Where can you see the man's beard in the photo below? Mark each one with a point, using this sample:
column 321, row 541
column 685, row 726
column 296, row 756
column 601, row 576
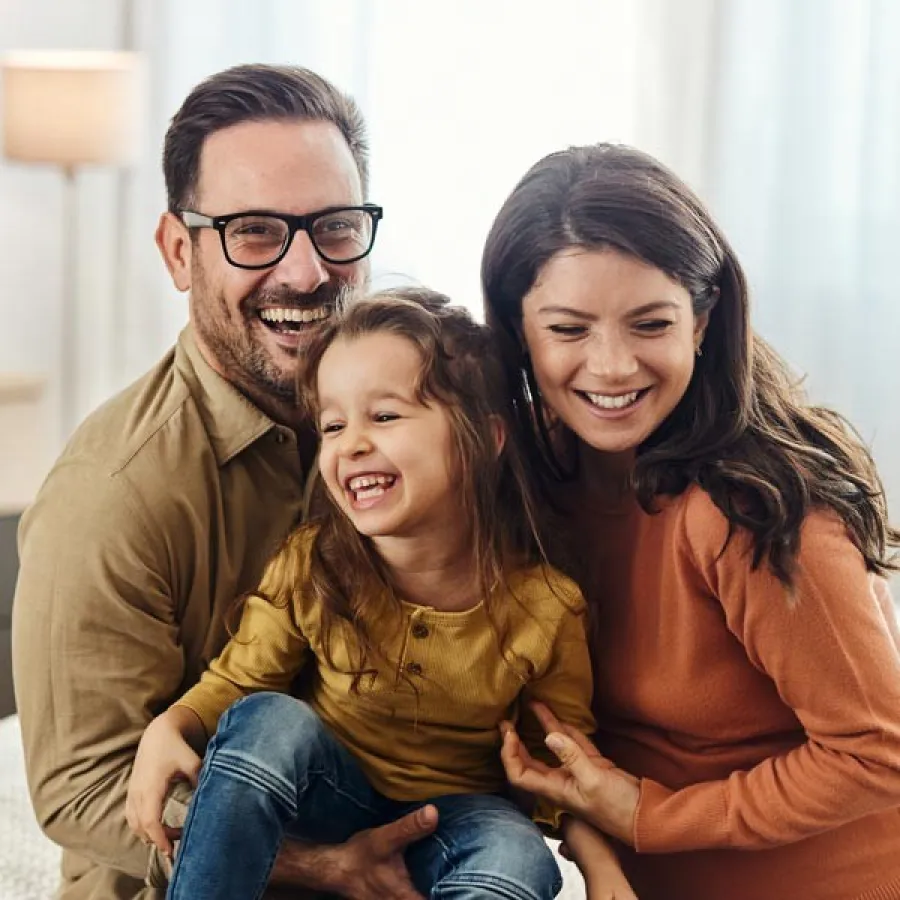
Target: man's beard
column 242, row 359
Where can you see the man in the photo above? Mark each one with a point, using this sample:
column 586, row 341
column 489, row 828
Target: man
column 170, row 497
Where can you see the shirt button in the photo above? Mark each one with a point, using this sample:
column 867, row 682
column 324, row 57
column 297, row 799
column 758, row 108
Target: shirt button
column 413, row 669
column 420, row 630
column 280, row 437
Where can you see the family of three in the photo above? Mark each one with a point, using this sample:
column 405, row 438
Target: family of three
column 397, row 593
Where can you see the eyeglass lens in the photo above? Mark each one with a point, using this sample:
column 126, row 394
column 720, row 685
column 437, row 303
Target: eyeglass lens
column 258, row 240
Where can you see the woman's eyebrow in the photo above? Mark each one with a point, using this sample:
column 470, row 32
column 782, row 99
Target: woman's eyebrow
column 556, row 309
column 655, row 306
column 642, row 310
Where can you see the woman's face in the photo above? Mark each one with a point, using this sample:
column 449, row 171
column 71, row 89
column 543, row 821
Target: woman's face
column 613, row 342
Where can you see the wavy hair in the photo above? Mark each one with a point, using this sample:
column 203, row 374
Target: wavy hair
column 743, row 431
column 462, row 373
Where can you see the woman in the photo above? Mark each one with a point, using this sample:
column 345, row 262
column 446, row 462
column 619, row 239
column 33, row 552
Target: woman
column 728, row 537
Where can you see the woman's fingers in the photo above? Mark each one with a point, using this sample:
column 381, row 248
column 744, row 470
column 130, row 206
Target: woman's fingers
column 588, row 747
column 582, row 767
column 545, row 716
column 512, row 750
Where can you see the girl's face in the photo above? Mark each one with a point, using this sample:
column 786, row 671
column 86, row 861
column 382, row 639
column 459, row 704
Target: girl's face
column 386, row 459
column 612, row 341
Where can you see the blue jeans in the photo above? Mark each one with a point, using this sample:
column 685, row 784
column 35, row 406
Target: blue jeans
column 273, row 770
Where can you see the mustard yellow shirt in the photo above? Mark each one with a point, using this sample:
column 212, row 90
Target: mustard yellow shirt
column 426, row 724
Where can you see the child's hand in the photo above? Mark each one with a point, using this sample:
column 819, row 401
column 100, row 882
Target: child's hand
column 586, row 784
column 163, row 756
column 592, row 853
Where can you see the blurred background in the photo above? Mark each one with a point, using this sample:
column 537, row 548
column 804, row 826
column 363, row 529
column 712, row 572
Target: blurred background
column 783, row 114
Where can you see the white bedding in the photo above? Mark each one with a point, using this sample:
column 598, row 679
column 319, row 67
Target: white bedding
column 29, row 863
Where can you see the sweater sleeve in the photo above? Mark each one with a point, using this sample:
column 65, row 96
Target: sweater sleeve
column 268, row 650
column 830, row 647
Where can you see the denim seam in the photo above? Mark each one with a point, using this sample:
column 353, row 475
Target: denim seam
column 499, row 886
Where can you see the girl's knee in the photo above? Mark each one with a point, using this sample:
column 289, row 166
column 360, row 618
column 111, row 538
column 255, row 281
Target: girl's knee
column 500, row 853
column 269, row 718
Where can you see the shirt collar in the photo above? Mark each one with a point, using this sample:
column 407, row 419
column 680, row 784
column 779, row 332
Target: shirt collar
column 232, row 422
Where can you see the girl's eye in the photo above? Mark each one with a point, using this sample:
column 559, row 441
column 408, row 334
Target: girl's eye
column 568, row 330
column 653, row 326
column 330, row 427
column 385, row 417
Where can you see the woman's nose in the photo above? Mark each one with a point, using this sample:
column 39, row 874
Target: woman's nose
column 611, row 357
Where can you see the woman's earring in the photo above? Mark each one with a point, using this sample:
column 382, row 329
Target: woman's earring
column 699, row 350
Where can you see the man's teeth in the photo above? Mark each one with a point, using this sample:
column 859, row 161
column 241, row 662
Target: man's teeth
column 604, row 401
column 292, row 314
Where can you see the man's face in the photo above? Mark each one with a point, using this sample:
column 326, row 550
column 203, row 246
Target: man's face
column 244, row 320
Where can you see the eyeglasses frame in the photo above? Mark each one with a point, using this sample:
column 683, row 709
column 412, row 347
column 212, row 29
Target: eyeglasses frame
column 192, row 219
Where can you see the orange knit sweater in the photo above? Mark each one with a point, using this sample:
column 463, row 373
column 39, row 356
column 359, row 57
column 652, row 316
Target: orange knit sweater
column 765, row 726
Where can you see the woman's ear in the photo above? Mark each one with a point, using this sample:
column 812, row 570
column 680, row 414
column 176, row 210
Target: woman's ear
column 174, row 243
column 700, row 323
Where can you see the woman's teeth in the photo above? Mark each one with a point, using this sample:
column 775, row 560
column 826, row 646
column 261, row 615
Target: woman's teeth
column 606, row 401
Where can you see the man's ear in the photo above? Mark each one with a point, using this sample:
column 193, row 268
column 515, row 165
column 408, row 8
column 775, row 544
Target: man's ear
column 498, row 432
column 174, row 242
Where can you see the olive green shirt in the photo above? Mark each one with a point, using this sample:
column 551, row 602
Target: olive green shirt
column 164, row 507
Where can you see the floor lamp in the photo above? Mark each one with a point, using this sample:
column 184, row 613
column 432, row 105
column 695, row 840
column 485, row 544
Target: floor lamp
column 71, row 108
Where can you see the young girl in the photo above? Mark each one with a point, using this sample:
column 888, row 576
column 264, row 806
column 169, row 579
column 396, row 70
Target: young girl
column 730, row 539
column 417, row 610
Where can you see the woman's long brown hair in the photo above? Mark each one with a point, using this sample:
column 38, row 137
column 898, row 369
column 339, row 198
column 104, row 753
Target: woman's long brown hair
column 744, row 431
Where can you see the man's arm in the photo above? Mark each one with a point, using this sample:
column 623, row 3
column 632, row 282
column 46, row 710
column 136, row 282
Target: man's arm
column 95, row 656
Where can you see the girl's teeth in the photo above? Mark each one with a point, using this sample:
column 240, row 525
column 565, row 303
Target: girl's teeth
column 618, row 402
column 360, row 482
column 369, row 493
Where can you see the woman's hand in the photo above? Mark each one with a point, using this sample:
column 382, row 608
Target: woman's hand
column 592, row 853
column 586, row 784
column 164, row 755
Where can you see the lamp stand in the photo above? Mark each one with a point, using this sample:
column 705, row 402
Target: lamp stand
column 69, row 318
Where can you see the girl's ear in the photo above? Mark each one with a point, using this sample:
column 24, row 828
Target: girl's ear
column 498, row 432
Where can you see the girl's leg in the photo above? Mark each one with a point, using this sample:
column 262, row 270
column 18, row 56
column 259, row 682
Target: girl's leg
column 272, row 767
column 483, row 847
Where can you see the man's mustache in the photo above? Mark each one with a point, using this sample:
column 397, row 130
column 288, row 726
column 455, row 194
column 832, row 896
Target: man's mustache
column 335, row 294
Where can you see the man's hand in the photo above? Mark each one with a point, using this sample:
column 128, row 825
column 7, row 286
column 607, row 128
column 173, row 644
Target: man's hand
column 587, row 784
column 369, row 866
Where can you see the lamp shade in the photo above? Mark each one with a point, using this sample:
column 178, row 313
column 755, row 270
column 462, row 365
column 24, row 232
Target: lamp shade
column 72, row 107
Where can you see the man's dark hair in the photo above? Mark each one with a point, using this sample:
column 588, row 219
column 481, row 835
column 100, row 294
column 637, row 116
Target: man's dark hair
column 254, row 93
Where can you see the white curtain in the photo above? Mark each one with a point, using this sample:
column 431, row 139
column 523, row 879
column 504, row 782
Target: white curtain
column 460, row 97
column 804, row 173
